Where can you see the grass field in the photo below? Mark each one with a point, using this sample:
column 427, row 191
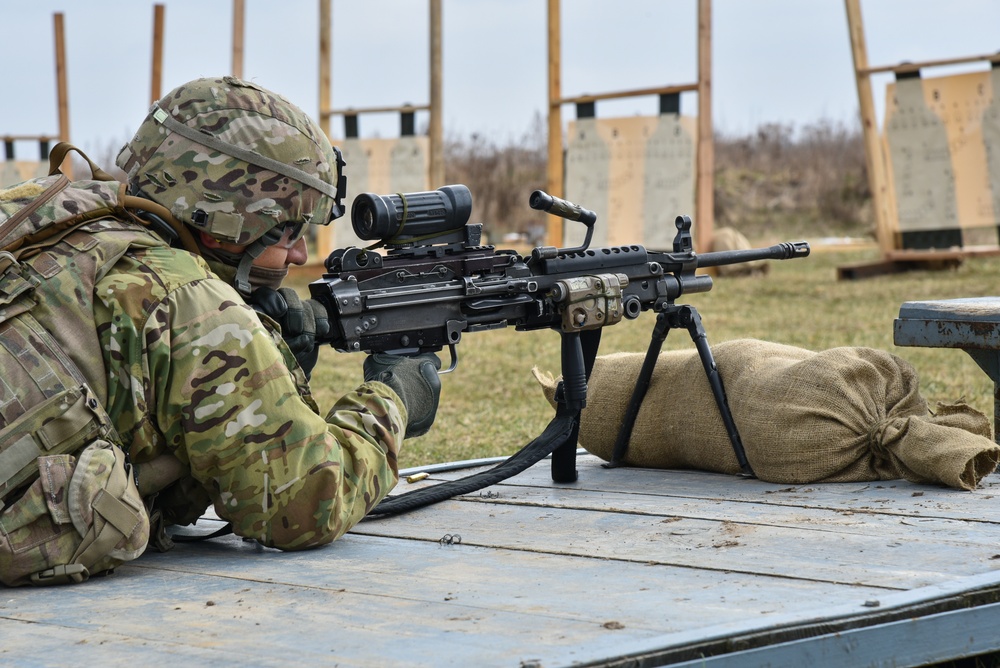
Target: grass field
column 491, row 405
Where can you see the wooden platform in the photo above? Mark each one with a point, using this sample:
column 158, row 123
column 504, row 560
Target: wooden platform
column 626, row 567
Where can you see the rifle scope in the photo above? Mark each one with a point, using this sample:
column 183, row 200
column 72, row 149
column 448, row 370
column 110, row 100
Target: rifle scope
column 397, row 218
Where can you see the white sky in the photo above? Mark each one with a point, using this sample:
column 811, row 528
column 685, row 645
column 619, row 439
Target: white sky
column 785, row 61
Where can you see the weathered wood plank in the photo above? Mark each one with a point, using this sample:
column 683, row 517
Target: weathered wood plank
column 376, row 601
column 895, row 556
column 622, row 562
column 860, row 521
column 897, row 497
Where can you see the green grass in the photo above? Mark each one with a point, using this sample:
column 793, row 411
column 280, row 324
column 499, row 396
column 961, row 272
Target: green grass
column 491, row 405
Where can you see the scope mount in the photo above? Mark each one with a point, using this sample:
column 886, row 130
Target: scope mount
column 434, row 245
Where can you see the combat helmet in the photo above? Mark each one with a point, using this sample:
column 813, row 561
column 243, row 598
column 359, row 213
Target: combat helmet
column 236, row 161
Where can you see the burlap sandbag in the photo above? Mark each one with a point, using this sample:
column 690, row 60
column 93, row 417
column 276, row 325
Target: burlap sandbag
column 845, row 414
column 727, row 239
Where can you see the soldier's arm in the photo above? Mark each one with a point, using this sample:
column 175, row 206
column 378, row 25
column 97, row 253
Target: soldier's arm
column 229, row 407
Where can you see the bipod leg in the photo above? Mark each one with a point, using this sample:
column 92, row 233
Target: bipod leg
column 688, row 317
column 660, row 331
column 579, row 350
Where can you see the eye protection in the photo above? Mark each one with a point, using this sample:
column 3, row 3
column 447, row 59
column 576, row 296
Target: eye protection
column 291, row 233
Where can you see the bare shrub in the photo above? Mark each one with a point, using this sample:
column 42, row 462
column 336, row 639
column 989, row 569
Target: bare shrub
column 777, row 181
column 501, row 177
column 812, row 181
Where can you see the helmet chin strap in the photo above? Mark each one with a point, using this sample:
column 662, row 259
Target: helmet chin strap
column 245, row 268
column 239, row 270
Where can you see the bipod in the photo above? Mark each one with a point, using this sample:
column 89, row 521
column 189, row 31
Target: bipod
column 673, row 317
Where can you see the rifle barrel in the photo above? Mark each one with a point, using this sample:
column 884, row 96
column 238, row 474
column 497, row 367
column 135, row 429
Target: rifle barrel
column 782, row 251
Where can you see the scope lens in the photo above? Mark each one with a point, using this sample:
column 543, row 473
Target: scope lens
column 372, row 218
column 365, row 222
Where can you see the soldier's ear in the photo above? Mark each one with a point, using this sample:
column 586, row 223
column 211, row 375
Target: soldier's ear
column 211, row 243
column 208, row 241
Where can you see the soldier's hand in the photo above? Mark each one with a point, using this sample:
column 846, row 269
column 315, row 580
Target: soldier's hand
column 303, row 322
column 415, row 380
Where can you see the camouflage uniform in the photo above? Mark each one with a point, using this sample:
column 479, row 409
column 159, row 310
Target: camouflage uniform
column 192, row 371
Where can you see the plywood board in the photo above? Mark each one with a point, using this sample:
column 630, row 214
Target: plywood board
column 379, row 166
column 637, row 174
column 941, row 142
column 16, row 171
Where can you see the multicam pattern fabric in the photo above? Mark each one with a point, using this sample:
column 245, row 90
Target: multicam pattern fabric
column 82, row 516
column 185, row 367
column 48, row 289
column 240, row 201
column 193, row 371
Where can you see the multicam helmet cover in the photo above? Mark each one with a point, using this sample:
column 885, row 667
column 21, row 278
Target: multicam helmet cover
column 235, row 160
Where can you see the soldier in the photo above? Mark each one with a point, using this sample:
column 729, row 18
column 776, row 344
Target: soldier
column 206, row 359
column 248, row 171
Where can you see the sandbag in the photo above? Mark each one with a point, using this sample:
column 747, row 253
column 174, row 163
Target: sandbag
column 842, row 415
column 728, row 239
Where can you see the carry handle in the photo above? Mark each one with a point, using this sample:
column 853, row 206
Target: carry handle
column 59, row 153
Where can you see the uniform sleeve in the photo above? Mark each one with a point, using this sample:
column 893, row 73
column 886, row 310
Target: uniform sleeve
column 229, row 407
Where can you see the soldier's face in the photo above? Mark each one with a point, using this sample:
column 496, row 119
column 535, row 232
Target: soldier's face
column 280, row 255
column 276, row 256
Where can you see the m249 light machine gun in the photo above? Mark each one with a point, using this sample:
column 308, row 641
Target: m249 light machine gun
column 437, row 281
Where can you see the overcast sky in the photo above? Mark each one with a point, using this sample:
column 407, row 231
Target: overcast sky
column 785, row 61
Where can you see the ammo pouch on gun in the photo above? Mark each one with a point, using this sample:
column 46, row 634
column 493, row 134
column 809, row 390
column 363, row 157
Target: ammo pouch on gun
column 62, row 517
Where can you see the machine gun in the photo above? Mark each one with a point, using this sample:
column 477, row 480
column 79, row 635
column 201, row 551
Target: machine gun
column 437, row 281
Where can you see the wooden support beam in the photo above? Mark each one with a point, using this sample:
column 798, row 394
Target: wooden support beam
column 908, row 67
column 238, row 29
column 62, row 87
column 435, row 130
column 874, row 158
column 705, row 158
column 554, row 182
column 638, row 92
column 325, row 23
column 7, row 138
column 156, row 80
column 405, row 108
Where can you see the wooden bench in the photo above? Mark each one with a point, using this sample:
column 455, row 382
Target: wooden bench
column 972, row 324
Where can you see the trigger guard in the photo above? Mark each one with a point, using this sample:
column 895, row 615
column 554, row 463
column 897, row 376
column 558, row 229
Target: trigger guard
column 453, row 352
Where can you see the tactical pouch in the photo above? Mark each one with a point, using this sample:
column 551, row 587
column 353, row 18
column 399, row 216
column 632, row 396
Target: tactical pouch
column 62, row 517
column 46, row 406
column 79, row 517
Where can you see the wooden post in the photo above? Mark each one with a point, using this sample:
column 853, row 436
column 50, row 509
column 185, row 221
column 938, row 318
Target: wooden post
column 873, row 147
column 238, row 23
column 62, row 89
column 435, row 131
column 705, row 180
column 325, row 235
column 155, row 90
column 554, row 183
column 325, row 21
